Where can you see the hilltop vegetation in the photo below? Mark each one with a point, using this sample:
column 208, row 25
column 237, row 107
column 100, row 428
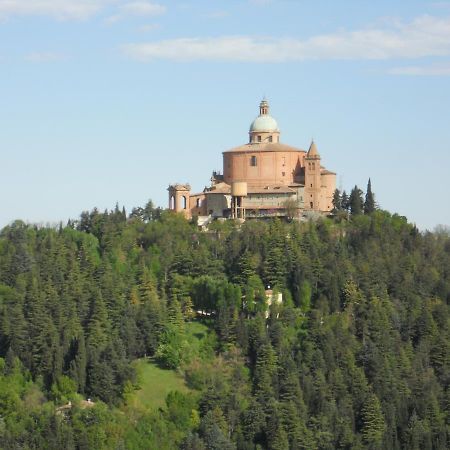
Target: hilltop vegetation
column 356, row 357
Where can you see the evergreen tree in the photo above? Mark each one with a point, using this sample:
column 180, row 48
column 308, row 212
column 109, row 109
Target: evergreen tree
column 373, row 422
column 369, row 203
column 356, row 201
column 345, row 201
column 337, row 201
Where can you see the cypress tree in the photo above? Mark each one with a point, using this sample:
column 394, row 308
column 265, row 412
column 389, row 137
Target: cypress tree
column 369, row 204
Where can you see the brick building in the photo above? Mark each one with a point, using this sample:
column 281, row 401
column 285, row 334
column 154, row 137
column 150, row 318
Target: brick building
column 263, row 178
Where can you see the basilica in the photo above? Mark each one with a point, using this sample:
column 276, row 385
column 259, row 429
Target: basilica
column 263, row 178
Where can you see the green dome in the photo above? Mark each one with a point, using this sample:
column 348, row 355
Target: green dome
column 264, row 123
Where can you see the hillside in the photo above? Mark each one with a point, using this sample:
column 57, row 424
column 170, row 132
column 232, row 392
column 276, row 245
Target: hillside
column 357, row 355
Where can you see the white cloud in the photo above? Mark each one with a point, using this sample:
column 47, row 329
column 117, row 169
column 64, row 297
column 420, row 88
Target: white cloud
column 59, row 9
column 429, row 70
column 77, row 9
column 424, row 36
column 143, row 8
column 44, row 57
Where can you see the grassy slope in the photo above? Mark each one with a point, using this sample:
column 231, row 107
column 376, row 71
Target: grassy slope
column 155, row 382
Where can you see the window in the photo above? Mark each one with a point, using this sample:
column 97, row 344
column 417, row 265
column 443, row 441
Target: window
column 270, row 138
column 184, row 202
column 283, row 174
column 311, row 204
column 199, row 202
column 259, row 138
column 311, row 185
column 253, row 161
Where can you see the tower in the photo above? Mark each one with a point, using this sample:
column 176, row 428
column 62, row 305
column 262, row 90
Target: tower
column 313, row 182
column 179, row 195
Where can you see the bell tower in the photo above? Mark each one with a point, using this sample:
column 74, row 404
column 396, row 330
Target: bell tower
column 312, row 179
column 179, row 196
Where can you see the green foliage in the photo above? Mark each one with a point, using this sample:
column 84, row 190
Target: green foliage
column 369, row 203
column 373, row 423
column 356, row 201
column 356, row 356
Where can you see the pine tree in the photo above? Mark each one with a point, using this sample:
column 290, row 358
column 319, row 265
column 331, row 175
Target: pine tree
column 373, row 422
column 369, row 204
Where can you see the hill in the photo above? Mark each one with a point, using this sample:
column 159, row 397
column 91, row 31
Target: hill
column 356, row 356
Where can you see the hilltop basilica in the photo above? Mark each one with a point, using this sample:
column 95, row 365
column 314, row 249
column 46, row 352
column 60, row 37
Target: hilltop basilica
column 263, row 178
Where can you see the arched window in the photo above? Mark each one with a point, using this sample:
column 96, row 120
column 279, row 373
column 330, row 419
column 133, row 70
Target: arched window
column 172, row 202
column 184, row 202
column 253, row 161
column 199, row 202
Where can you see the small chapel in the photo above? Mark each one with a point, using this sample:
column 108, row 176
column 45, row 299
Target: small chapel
column 263, row 178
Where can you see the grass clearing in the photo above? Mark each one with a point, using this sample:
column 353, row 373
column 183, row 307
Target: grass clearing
column 155, row 384
column 195, row 333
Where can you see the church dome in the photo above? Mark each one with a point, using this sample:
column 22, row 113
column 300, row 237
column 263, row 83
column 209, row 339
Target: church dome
column 264, row 123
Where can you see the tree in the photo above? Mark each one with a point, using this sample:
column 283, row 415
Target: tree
column 337, row 201
column 305, row 296
column 356, row 201
column 345, row 203
column 373, row 422
column 369, row 204
column 291, row 207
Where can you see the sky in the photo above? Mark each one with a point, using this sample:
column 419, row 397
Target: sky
column 107, row 101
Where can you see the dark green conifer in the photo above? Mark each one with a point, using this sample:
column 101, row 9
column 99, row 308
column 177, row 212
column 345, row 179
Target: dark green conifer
column 369, row 203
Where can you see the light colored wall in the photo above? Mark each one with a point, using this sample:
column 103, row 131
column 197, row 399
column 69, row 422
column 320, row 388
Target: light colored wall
column 264, row 137
column 267, row 200
column 216, row 203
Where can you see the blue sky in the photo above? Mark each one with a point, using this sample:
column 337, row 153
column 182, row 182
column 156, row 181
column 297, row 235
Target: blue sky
column 107, row 101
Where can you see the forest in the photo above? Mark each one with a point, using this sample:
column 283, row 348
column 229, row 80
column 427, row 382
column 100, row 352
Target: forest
column 356, row 356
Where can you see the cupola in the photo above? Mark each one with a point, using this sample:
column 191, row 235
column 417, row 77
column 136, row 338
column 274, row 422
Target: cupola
column 264, row 129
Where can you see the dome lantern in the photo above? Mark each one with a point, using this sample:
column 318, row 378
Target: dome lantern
column 264, row 107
